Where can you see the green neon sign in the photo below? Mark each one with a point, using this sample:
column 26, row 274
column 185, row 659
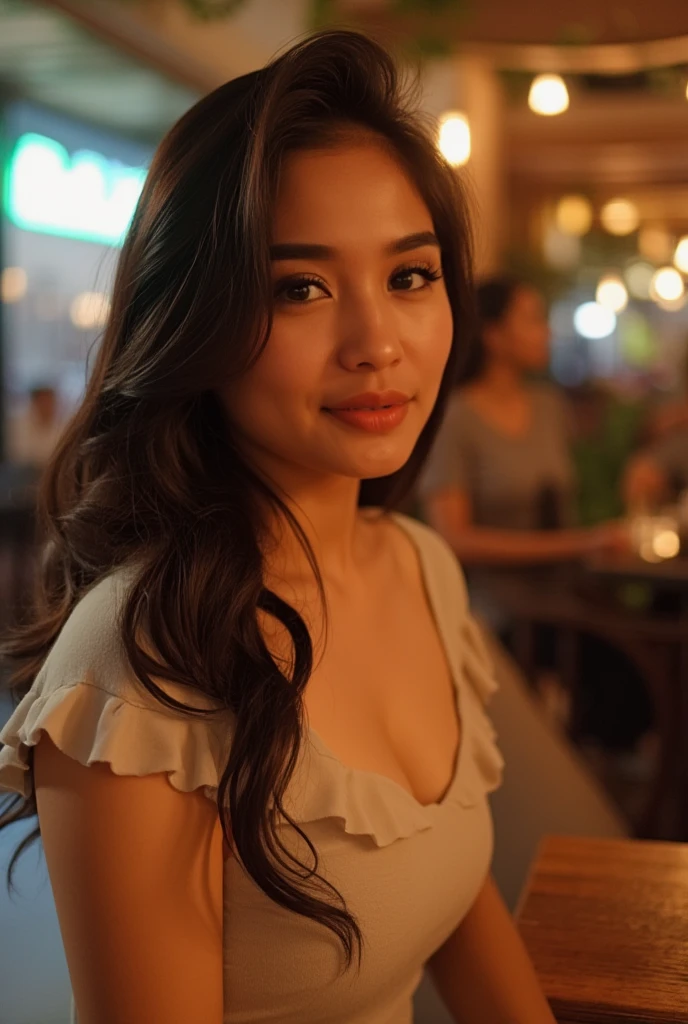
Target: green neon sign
column 80, row 195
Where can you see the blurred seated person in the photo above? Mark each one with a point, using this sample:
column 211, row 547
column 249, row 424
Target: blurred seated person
column 499, row 482
column 499, row 485
column 659, row 472
column 33, row 433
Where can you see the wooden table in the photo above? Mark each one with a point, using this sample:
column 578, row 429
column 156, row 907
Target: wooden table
column 606, row 924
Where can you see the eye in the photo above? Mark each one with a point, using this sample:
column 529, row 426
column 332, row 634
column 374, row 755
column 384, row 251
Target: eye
column 414, row 278
column 300, row 290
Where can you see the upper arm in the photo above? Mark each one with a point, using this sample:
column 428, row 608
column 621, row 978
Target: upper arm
column 136, row 871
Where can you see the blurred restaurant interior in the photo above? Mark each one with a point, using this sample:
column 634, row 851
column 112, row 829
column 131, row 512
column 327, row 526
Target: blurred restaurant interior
column 569, row 122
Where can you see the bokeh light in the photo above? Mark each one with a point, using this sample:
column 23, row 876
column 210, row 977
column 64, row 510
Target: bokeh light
column 573, row 215
column 548, row 95
column 14, row 283
column 620, row 216
column 667, row 285
column 454, row 139
column 90, row 310
column 594, row 321
column 611, row 293
column 681, row 254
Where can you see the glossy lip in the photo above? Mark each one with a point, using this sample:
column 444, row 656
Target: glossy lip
column 370, row 400
column 372, row 421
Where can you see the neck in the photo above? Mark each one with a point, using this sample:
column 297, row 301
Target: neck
column 501, row 379
column 327, row 511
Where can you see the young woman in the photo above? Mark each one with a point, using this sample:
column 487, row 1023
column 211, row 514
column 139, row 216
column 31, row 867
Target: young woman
column 255, row 732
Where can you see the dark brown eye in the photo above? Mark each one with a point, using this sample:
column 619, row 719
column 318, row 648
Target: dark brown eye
column 299, row 290
column 413, row 279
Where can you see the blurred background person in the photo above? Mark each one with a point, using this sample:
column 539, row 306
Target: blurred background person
column 500, row 486
column 499, row 483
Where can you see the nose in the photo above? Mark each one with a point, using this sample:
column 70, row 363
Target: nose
column 369, row 333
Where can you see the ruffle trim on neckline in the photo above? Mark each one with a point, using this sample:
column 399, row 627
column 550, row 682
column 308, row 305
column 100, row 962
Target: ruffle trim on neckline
column 365, row 803
column 90, row 724
column 369, row 804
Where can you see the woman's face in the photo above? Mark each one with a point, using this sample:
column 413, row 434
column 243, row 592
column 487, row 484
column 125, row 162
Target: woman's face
column 522, row 336
column 359, row 307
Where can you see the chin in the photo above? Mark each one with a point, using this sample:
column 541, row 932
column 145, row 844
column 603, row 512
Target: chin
column 383, row 467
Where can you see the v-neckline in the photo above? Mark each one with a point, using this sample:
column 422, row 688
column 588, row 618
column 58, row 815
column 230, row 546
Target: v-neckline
column 403, row 523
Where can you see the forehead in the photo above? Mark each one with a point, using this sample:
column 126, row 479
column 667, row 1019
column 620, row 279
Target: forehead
column 354, row 191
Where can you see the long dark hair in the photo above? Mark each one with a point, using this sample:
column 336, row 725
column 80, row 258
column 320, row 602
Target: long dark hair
column 493, row 299
column 146, row 474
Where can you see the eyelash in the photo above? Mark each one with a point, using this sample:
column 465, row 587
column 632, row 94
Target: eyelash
column 425, row 270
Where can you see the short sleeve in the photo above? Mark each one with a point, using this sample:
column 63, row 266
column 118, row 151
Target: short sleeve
column 87, row 699
column 449, row 463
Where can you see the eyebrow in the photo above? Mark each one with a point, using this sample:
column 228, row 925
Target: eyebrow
column 308, row 251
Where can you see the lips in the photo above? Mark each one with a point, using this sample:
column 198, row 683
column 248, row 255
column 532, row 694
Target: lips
column 371, row 401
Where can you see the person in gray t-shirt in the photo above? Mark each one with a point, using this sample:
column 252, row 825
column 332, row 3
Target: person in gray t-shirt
column 499, row 481
column 499, row 485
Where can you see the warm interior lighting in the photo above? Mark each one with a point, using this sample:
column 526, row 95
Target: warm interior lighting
column 594, row 321
column 454, row 139
column 666, row 544
column 620, row 216
column 90, row 310
column 13, row 284
column 573, row 215
column 667, row 285
column 548, row 95
column 681, row 255
column 611, row 293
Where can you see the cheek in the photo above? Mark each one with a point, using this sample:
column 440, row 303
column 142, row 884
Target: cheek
column 438, row 331
column 289, row 365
